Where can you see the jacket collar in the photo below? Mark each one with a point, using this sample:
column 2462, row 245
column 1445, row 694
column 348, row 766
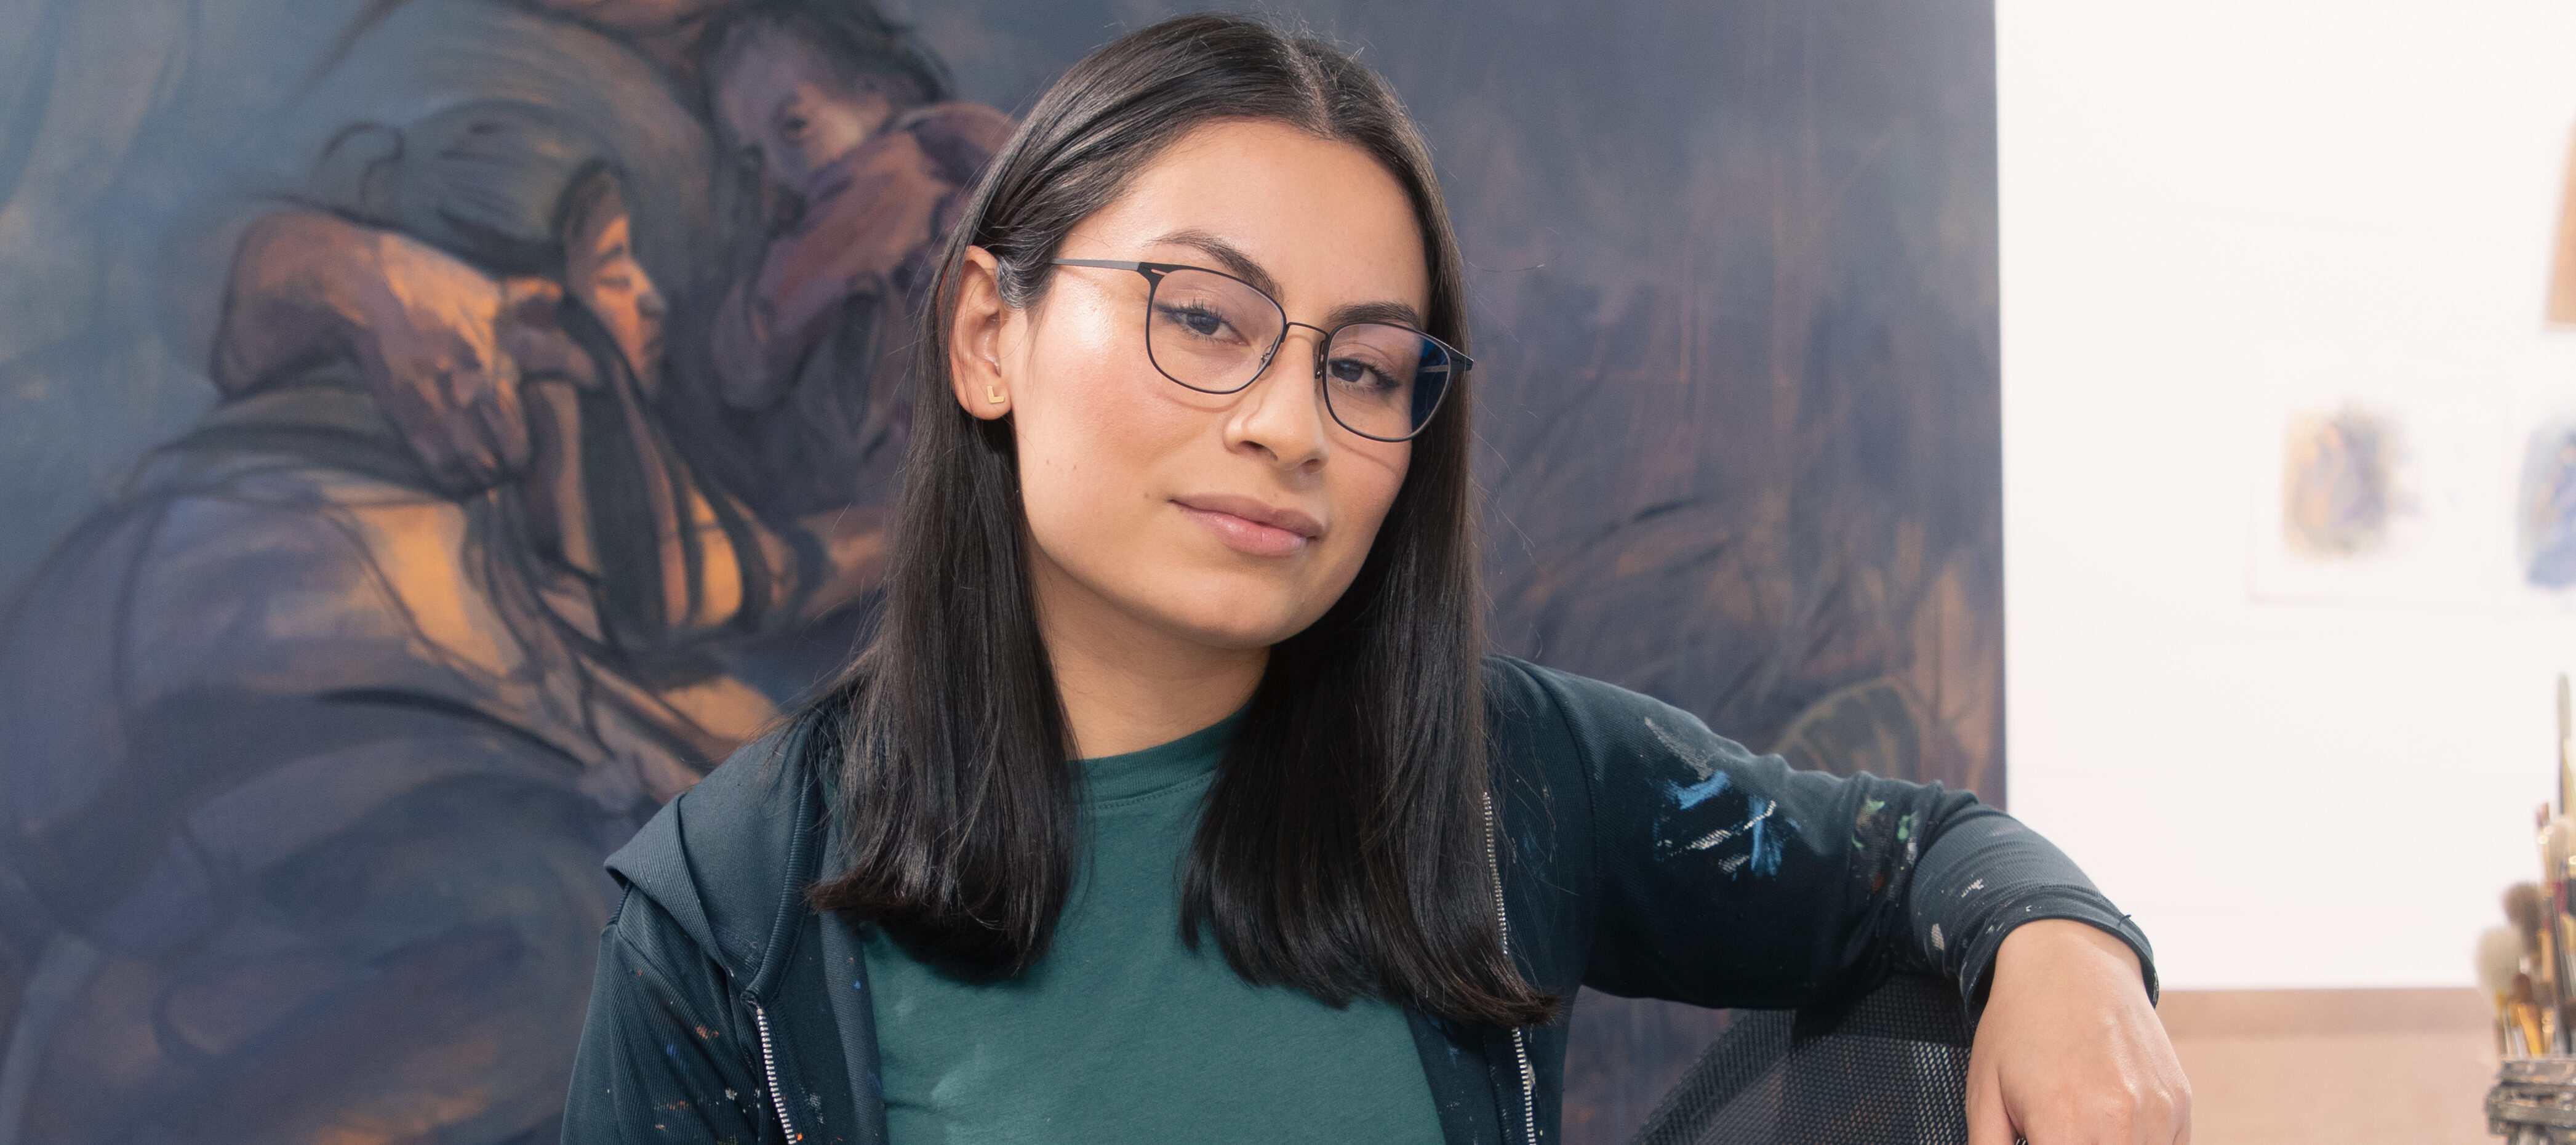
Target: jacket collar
column 712, row 858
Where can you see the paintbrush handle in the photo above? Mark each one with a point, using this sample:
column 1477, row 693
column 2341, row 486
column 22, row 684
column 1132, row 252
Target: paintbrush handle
column 2566, row 749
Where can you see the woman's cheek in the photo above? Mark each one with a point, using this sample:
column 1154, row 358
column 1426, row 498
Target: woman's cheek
column 1082, row 482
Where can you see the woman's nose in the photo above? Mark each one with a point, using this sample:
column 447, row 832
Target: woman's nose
column 1282, row 414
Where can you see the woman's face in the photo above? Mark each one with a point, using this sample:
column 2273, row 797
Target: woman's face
column 602, row 274
column 782, row 97
column 1228, row 520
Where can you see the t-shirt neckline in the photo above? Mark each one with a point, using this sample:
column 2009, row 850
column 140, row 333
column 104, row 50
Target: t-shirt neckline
column 1129, row 775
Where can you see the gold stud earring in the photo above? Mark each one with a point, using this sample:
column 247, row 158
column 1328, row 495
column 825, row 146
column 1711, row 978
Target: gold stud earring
column 994, row 396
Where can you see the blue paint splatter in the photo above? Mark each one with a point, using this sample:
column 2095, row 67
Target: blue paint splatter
column 670, row 1050
column 1768, row 843
column 1695, row 794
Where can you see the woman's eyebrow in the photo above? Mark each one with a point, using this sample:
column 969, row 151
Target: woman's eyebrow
column 1236, row 262
column 1399, row 313
column 1241, row 266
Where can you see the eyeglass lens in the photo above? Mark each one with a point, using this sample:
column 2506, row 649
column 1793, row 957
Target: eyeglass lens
column 1213, row 333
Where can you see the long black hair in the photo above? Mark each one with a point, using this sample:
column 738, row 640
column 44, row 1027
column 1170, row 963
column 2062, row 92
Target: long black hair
column 1343, row 848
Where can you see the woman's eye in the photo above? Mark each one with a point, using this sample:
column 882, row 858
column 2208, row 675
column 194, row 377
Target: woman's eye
column 1196, row 320
column 1353, row 374
column 792, row 128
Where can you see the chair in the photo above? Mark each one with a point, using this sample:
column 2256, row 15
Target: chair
column 1889, row 1067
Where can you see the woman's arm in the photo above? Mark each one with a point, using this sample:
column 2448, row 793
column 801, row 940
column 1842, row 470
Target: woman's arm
column 1982, row 876
column 2070, row 1049
column 1729, row 879
column 1723, row 878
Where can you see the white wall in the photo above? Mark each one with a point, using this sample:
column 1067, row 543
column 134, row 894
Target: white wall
column 2205, row 203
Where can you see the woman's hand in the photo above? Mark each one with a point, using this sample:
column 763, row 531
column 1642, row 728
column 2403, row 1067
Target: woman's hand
column 2069, row 1051
column 864, row 214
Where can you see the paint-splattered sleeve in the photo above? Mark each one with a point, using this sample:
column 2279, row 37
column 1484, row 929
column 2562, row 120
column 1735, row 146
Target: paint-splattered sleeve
column 665, row 1057
column 1723, row 878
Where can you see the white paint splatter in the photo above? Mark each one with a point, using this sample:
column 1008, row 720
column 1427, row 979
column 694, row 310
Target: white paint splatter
column 1937, row 944
column 1727, row 865
column 1723, row 834
column 1973, row 888
column 1701, row 760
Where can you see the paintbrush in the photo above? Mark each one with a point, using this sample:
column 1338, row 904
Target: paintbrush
column 2558, row 859
column 2522, row 908
column 2529, row 909
column 2558, row 933
column 2566, row 749
column 2526, row 1013
column 2499, row 959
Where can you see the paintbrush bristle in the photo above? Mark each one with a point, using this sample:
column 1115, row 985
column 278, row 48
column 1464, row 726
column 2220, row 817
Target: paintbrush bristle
column 2499, row 959
column 2522, row 908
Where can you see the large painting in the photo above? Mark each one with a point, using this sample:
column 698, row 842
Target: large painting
column 433, row 432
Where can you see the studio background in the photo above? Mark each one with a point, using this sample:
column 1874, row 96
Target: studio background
column 1735, row 312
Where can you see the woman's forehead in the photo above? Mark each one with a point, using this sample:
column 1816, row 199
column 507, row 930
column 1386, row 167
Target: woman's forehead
column 1322, row 219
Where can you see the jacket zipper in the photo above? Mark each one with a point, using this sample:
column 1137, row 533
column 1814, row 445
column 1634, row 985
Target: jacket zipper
column 1520, row 1045
column 769, row 1066
column 771, row 960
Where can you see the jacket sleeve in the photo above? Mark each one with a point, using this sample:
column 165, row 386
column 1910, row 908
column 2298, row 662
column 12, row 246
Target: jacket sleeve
column 1723, row 878
column 665, row 1057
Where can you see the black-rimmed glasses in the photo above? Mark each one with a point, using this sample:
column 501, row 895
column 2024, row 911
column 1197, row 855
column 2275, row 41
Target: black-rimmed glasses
column 1216, row 334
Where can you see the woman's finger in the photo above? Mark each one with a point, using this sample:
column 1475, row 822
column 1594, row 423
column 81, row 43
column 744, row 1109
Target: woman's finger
column 1989, row 1122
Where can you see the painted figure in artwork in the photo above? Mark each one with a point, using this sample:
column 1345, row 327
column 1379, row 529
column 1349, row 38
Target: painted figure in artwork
column 2336, row 484
column 327, row 723
column 317, row 834
column 863, row 163
column 866, row 163
column 2549, row 510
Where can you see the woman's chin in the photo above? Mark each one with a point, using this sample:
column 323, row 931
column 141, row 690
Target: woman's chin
column 1234, row 621
column 1234, row 634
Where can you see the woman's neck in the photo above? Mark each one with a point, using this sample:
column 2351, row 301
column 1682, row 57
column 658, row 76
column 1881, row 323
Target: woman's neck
column 1127, row 686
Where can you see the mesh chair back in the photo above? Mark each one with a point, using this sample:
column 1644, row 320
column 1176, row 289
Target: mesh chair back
column 1889, row 1067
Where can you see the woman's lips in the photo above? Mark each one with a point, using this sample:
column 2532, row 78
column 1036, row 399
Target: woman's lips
column 1252, row 528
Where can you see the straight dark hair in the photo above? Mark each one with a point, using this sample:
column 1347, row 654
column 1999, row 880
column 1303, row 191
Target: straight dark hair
column 1344, row 847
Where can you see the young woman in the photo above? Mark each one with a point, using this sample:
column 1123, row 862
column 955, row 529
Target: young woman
column 1175, row 799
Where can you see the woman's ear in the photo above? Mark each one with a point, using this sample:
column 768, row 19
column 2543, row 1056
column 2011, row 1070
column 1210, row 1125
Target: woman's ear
column 975, row 338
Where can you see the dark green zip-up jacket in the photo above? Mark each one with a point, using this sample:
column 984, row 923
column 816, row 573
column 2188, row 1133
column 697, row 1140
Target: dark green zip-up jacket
column 1639, row 854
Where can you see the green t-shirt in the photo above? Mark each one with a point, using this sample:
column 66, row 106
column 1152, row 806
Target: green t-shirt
column 1121, row 1034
